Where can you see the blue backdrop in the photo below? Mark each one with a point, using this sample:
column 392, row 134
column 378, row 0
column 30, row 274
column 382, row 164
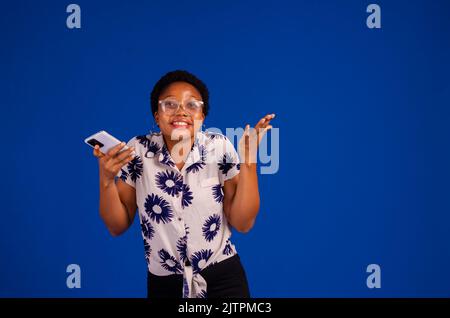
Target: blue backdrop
column 364, row 138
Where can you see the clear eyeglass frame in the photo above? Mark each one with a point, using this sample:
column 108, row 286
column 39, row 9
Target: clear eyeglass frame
column 171, row 106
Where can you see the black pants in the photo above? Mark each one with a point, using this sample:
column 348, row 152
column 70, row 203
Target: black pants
column 225, row 279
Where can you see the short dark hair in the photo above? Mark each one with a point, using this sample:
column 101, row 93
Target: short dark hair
column 179, row 76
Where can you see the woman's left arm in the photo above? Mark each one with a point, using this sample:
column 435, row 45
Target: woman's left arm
column 241, row 194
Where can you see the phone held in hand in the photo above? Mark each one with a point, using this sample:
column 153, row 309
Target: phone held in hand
column 105, row 141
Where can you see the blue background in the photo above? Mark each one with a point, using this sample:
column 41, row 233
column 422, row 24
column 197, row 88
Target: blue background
column 364, row 138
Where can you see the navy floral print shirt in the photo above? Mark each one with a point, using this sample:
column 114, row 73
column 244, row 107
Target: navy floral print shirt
column 183, row 224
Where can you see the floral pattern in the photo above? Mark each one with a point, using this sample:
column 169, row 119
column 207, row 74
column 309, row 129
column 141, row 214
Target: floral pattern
column 211, row 227
column 158, row 209
column 181, row 218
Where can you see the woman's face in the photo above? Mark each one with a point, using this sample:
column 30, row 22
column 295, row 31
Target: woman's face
column 184, row 121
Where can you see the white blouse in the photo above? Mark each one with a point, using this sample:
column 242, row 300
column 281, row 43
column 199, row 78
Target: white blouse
column 181, row 212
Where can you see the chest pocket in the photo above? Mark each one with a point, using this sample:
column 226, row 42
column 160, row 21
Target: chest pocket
column 208, row 193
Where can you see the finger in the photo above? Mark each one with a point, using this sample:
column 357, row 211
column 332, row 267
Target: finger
column 265, row 120
column 260, row 122
column 268, row 118
column 266, row 129
column 123, row 162
column 263, row 132
column 248, row 131
column 97, row 153
column 112, row 152
column 124, row 154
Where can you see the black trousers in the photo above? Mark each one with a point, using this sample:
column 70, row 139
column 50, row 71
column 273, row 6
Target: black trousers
column 225, row 279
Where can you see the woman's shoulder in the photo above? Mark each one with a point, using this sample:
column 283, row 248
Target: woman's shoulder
column 147, row 139
column 217, row 141
column 214, row 136
column 213, row 139
column 151, row 142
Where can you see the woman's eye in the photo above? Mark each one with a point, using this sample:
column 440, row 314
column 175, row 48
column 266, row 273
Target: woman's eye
column 193, row 105
column 171, row 104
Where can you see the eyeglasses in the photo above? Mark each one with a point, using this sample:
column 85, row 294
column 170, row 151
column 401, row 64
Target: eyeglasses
column 170, row 106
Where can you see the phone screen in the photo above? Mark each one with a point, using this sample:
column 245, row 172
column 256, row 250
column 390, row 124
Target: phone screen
column 94, row 142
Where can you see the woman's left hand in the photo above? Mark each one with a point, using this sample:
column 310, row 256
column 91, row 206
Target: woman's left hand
column 248, row 145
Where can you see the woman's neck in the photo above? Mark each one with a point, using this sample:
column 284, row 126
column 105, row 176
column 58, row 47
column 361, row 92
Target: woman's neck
column 183, row 147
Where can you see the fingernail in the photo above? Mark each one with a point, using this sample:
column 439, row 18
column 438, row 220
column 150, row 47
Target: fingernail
column 122, row 143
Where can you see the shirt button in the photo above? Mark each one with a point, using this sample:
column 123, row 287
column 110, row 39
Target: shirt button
column 179, row 219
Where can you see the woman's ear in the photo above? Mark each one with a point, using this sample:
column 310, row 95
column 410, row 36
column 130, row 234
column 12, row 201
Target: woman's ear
column 156, row 117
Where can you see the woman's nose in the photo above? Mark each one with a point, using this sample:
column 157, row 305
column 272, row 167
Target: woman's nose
column 181, row 110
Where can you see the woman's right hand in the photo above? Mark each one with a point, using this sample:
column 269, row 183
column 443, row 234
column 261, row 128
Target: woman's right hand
column 111, row 162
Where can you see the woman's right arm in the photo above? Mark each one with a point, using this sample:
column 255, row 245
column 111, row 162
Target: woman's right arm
column 117, row 201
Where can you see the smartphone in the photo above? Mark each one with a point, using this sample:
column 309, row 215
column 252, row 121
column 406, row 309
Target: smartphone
column 105, row 142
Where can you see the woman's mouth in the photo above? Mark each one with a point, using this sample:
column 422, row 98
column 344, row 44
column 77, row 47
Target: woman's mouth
column 180, row 124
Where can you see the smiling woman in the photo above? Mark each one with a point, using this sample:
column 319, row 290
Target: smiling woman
column 190, row 188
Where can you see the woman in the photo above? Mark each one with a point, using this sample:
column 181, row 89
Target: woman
column 189, row 188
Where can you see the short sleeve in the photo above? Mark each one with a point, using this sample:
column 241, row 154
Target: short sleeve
column 132, row 171
column 228, row 161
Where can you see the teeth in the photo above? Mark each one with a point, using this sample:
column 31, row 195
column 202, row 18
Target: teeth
column 180, row 123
